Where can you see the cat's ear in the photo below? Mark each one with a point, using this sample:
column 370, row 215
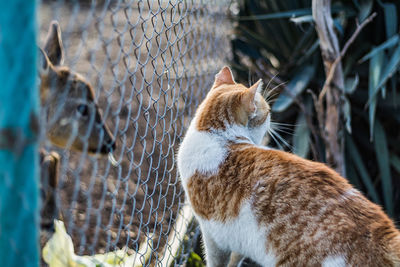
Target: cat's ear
column 224, row 76
column 248, row 97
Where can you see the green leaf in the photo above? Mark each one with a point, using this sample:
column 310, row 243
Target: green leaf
column 352, row 174
column 385, row 45
column 355, row 157
column 347, row 114
column 375, row 68
column 382, row 157
column 302, row 19
column 365, row 9
column 194, row 260
column 308, row 53
column 390, row 19
column 301, row 137
column 338, row 26
column 383, row 91
column 395, row 162
column 295, row 87
column 351, row 85
column 390, row 11
column 355, row 2
column 390, row 68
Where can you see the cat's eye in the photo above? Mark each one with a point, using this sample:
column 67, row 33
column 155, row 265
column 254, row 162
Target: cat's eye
column 83, row 110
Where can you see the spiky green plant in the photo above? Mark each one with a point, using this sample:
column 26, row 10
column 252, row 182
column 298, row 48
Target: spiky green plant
column 277, row 39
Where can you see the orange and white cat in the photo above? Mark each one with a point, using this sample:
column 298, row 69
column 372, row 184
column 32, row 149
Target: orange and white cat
column 272, row 206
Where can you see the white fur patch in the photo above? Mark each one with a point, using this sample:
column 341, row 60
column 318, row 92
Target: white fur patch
column 334, row 261
column 204, row 151
column 257, row 133
column 351, row 193
column 242, row 235
column 200, row 151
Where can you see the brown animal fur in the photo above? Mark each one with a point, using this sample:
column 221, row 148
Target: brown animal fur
column 69, row 106
column 312, row 212
column 69, row 102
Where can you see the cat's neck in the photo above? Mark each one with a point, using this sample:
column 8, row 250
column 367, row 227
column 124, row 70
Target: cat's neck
column 234, row 133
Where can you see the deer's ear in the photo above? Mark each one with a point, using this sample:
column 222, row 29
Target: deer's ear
column 224, row 76
column 53, row 46
column 43, row 63
column 248, row 97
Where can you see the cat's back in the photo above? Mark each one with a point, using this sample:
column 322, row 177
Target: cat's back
column 314, row 215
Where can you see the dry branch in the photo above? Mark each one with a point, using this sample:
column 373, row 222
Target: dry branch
column 342, row 53
column 329, row 116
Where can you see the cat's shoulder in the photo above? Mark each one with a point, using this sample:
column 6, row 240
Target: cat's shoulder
column 200, row 151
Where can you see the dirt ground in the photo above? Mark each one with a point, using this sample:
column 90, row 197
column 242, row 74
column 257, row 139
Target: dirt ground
column 150, row 63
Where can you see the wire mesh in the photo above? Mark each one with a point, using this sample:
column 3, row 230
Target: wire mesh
column 149, row 63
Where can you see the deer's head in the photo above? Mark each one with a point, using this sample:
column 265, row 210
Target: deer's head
column 74, row 120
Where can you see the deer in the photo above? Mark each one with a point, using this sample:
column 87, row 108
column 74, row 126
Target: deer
column 73, row 119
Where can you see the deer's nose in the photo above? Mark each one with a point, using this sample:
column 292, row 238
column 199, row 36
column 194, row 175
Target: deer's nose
column 108, row 146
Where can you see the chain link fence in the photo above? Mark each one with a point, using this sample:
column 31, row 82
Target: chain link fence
column 149, row 63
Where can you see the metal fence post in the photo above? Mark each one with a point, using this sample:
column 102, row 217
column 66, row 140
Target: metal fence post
column 19, row 210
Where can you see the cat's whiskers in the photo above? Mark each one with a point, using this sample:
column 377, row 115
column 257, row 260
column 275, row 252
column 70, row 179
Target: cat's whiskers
column 285, row 131
column 285, row 124
column 269, row 94
column 279, row 127
column 276, row 141
column 276, row 136
column 272, row 98
column 266, row 91
column 282, row 128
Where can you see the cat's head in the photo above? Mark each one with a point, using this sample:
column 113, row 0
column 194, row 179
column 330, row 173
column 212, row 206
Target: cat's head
column 232, row 104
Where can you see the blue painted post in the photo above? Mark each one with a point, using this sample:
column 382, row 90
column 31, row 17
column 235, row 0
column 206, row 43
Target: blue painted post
column 19, row 212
